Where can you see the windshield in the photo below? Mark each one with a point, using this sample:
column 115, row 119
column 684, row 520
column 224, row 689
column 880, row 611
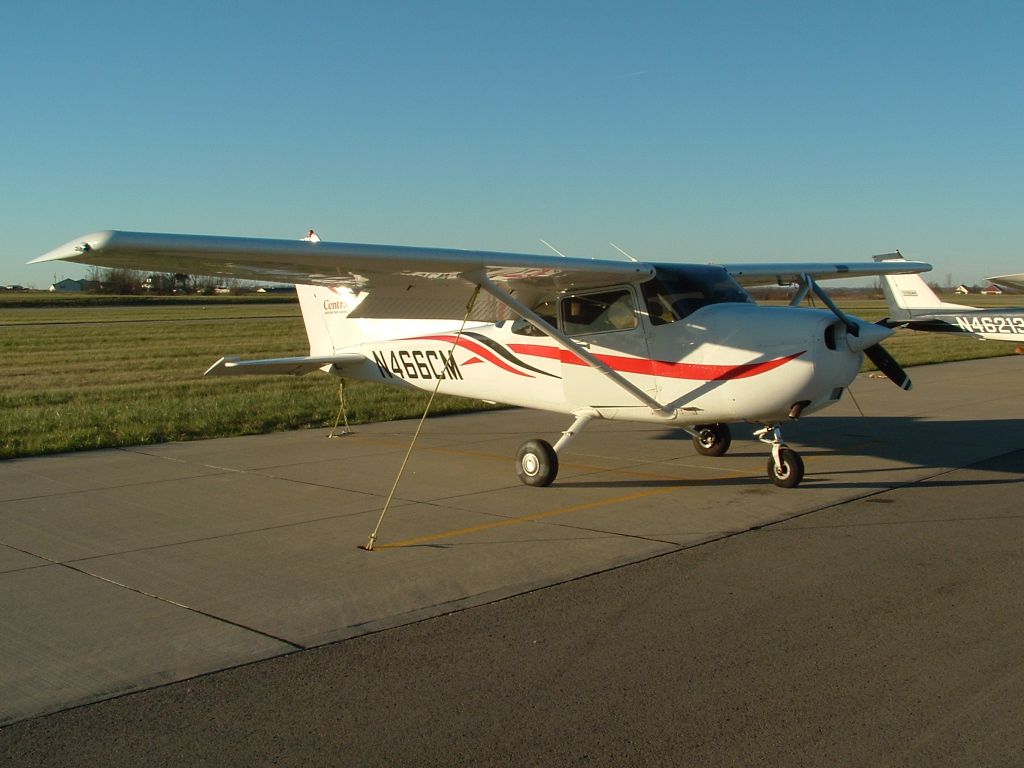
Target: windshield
column 676, row 291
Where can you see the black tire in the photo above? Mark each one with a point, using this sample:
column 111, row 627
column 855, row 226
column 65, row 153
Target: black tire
column 790, row 471
column 536, row 463
column 715, row 439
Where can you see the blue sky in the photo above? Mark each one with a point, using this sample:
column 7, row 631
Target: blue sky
column 717, row 131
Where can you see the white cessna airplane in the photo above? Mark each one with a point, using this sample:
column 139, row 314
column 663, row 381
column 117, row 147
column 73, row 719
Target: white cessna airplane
column 912, row 304
column 678, row 344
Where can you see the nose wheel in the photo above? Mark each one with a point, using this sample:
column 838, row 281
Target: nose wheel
column 785, row 467
column 787, row 470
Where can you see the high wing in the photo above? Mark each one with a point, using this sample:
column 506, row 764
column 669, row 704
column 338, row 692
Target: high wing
column 403, row 282
column 1011, row 283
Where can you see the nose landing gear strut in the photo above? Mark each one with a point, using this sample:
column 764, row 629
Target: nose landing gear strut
column 785, row 467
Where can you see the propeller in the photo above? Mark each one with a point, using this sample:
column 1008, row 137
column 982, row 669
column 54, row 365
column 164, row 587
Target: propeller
column 866, row 337
column 887, row 364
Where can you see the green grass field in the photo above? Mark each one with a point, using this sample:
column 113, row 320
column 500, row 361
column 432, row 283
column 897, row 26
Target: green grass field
column 84, row 375
column 79, row 372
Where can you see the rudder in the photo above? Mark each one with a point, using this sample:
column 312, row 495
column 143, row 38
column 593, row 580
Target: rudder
column 325, row 312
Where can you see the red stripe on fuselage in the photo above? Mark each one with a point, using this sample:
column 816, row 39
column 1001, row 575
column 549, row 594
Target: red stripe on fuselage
column 658, row 367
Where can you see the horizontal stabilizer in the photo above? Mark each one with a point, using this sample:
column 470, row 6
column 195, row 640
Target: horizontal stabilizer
column 291, row 366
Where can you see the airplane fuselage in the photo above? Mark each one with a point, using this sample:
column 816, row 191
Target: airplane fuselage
column 992, row 324
column 724, row 362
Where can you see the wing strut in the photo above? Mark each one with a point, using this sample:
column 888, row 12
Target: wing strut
column 568, row 344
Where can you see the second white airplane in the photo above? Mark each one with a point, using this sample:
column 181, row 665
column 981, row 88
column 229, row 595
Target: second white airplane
column 912, row 304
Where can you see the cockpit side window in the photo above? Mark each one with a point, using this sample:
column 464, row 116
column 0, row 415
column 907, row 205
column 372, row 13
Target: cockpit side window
column 599, row 312
column 676, row 292
column 548, row 312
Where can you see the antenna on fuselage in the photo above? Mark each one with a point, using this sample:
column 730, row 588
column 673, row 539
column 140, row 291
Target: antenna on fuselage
column 613, row 245
column 549, row 245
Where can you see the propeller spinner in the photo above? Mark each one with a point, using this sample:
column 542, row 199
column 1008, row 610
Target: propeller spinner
column 866, row 337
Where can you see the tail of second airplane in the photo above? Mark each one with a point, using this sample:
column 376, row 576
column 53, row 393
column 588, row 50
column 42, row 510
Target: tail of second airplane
column 909, row 296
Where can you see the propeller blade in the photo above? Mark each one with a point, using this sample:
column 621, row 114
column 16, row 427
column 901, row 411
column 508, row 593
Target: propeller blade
column 887, row 364
column 865, row 337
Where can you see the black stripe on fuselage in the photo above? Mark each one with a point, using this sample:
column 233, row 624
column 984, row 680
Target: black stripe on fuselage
column 501, row 351
column 935, row 326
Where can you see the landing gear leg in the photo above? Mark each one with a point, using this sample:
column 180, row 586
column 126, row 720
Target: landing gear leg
column 537, row 460
column 785, row 467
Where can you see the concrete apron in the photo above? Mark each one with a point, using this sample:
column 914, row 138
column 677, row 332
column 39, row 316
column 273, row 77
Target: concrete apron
column 126, row 569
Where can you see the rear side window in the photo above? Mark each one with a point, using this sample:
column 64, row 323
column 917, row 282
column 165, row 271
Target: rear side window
column 599, row 312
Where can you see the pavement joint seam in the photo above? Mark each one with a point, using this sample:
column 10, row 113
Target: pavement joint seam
column 213, row 537
column 78, row 491
column 191, row 609
column 616, row 534
column 84, row 572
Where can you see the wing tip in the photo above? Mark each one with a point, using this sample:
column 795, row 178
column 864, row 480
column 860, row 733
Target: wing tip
column 75, row 249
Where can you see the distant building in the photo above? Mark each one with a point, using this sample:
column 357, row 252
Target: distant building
column 961, row 290
column 156, row 282
column 992, row 290
column 68, row 285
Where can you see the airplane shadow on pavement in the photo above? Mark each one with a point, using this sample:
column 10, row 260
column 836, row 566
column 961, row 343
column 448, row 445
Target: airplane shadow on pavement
column 914, row 443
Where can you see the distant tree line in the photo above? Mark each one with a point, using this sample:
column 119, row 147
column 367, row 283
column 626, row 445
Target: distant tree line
column 129, row 282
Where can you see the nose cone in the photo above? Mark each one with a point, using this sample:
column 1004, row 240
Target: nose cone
column 868, row 334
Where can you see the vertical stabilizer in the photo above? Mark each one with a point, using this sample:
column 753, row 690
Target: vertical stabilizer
column 909, row 296
column 326, row 310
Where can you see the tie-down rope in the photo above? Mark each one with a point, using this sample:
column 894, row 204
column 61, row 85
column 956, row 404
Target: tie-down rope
column 408, row 453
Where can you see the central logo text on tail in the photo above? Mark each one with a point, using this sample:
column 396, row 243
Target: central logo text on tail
column 331, row 306
column 417, row 364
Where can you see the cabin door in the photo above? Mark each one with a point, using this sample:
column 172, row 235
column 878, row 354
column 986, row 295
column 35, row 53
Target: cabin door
column 607, row 324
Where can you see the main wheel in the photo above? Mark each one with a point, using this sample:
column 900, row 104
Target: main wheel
column 536, row 463
column 789, row 471
column 714, row 439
